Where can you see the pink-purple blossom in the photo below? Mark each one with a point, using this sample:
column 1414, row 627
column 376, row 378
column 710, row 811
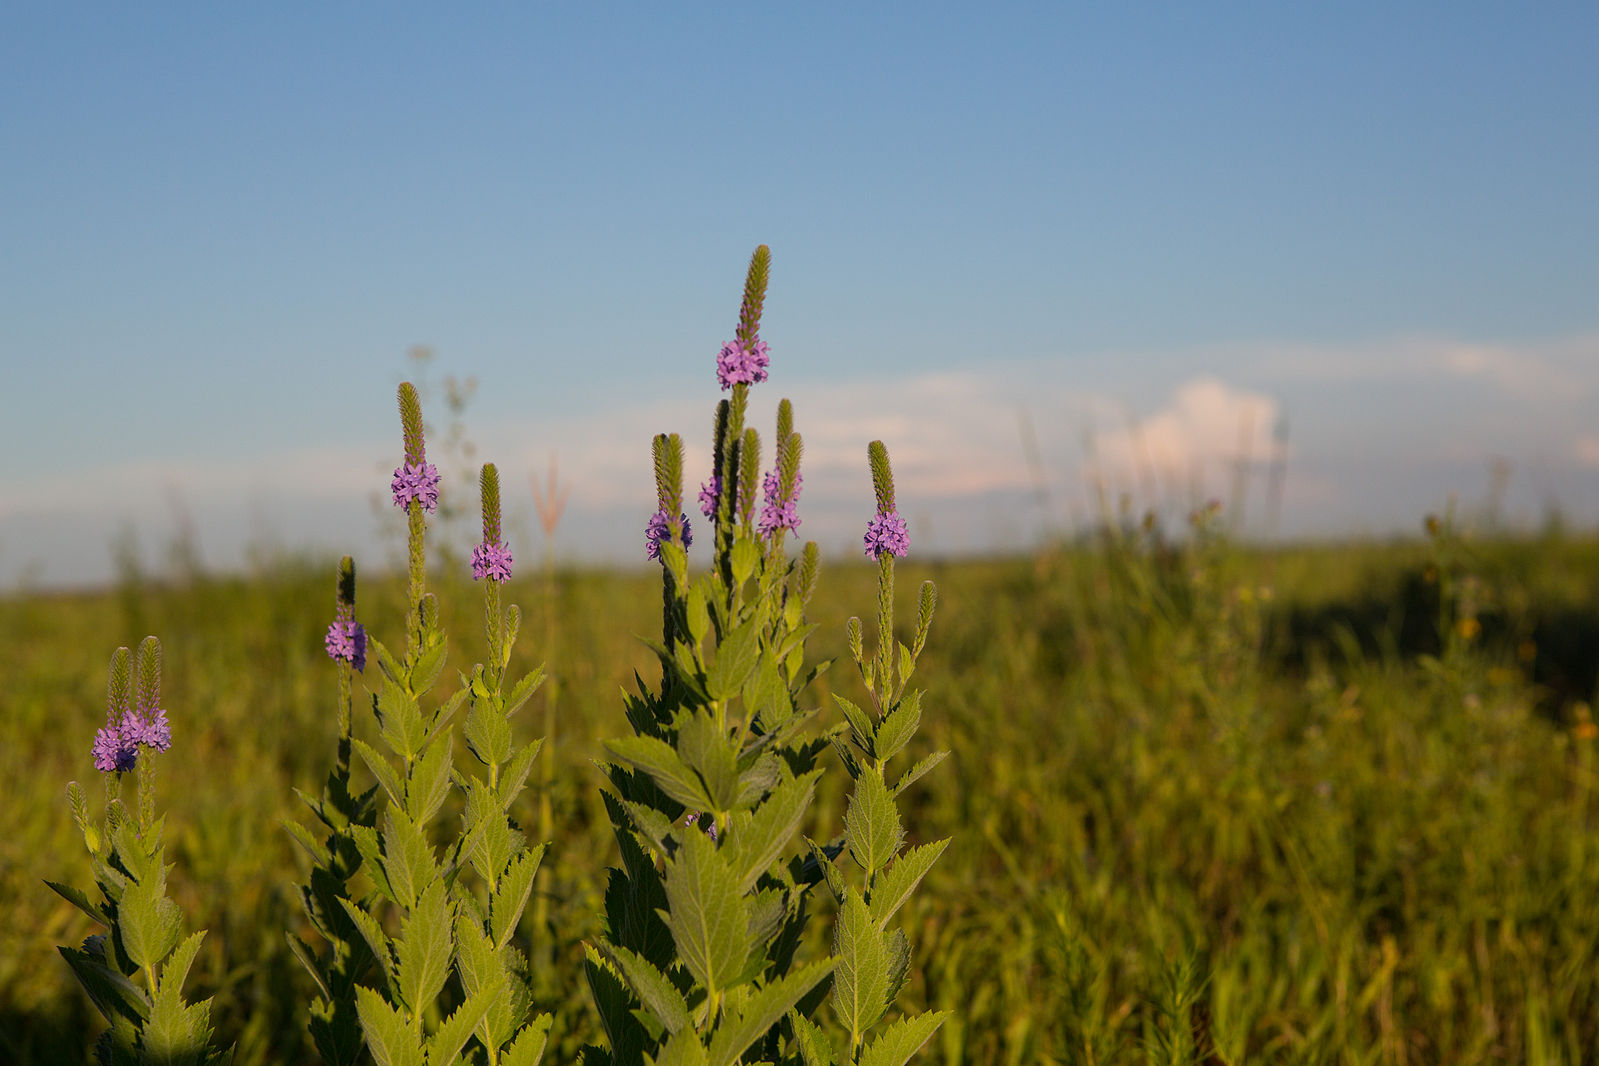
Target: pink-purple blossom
column 886, row 533
column 779, row 512
column 660, row 529
column 710, row 493
column 492, row 561
column 416, row 481
column 738, row 365
column 346, row 640
column 116, row 745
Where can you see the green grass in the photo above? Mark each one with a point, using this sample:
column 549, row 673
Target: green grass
column 1324, row 804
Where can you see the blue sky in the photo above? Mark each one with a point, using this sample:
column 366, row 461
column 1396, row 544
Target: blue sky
column 1147, row 234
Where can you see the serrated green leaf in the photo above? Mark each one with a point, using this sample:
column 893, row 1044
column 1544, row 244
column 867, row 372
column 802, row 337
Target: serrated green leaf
column 860, row 979
column 915, row 773
column 302, row 951
column 612, row 1000
column 899, row 965
column 77, row 898
column 705, row 912
column 829, row 869
column 429, row 665
column 763, row 1010
column 452, row 1035
column 652, row 987
column 743, row 557
column 658, row 759
column 387, row 663
column 770, row 828
column 511, row 896
column 814, row 1046
column 387, row 1037
column 895, row 1045
column 514, row 775
column 906, row 664
column 423, row 949
column 524, row 689
column 375, row 939
column 736, row 657
column 896, row 885
column 399, row 721
column 860, row 724
column 149, row 923
column 763, row 774
column 871, row 824
column 115, row 996
column 708, row 751
column 302, row 836
column 381, row 769
column 429, row 783
column 528, row 1047
column 370, row 848
column 176, row 969
column 897, row 728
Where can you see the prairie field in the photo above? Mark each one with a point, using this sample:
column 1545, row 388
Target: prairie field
column 1208, row 802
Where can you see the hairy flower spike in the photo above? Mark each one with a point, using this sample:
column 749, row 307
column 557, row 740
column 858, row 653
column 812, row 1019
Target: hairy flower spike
column 668, row 455
column 749, row 471
column 411, row 425
column 755, row 279
column 782, row 486
column 489, row 486
column 882, row 476
column 660, row 529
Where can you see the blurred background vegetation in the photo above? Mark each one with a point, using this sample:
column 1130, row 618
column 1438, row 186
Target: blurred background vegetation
column 1210, row 803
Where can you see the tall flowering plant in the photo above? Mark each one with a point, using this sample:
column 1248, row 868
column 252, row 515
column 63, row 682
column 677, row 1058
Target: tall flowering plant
column 447, row 982
column 705, row 915
column 334, row 1024
column 134, row 971
column 872, row 961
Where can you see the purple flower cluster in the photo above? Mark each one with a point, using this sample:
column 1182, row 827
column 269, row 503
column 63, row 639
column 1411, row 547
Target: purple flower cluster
column 738, row 365
column 117, row 743
column 659, row 529
column 492, row 561
column 710, row 492
column 778, row 512
column 416, row 481
column 346, row 640
column 886, row 533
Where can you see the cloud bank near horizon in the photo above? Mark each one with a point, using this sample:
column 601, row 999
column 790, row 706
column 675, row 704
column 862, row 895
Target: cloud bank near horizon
column 1370, row 437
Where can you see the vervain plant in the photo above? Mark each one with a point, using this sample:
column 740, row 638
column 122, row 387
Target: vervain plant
column 134, row 971
column 334, row 1025
column 872, row 962
column 703, row 919
column 450, row 974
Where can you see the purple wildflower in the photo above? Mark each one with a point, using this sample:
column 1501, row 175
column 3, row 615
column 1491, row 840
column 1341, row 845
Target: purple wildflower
column 346, row 640
column 492, row 561
column 779, row 512
column 116, row 745
column 416, row 481
column 155, row 731
column 886, row 533
column 659, row 529
column 738, row 365
column 710, row 824
column 710, row 492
